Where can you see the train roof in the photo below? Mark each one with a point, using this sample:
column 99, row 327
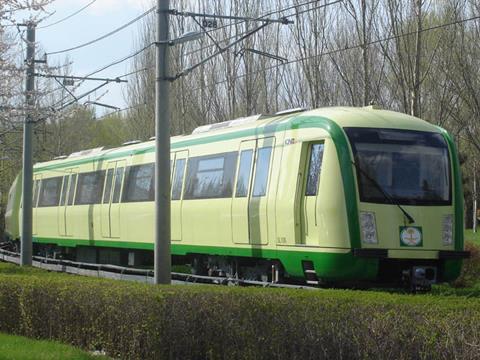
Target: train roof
column 370, row 116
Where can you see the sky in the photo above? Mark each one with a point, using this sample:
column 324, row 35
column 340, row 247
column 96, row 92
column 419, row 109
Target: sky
column 98, row 19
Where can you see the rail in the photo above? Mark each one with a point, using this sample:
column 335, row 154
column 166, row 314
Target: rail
column 115, row 272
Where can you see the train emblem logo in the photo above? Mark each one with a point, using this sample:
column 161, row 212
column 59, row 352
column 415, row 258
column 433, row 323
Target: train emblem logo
column 410, row 236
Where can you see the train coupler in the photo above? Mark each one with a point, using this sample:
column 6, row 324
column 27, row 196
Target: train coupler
column 420, row 278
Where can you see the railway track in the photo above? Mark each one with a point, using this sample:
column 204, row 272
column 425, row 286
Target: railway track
column 132, row 274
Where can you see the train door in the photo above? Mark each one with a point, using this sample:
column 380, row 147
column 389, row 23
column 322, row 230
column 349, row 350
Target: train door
column 180, row 158
column 242, row 193
column 37, row 183
column 309, row 203
column 257, row 206
column 69, row 201
column 62, row 205
column 116, row 203
column 111, row 200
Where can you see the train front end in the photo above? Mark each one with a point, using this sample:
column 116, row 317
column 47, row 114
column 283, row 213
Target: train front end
column 410, row 204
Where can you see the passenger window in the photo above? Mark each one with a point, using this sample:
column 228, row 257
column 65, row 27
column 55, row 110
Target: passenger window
column 314, row 169
column 63, row 195
column 261, row 171
column 118, row 184
column 140, row 184
column 243, row 177
column 50, row 192
column 71, row 190
column 178, row 180
column 90, row 188
column 210, row 176
column 108, row 186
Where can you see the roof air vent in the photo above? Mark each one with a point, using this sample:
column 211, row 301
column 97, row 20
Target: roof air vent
column 291, row 111
column 133, row 142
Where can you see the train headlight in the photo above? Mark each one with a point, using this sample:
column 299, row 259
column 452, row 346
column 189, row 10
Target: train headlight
column 368, row 227
column 447, row 230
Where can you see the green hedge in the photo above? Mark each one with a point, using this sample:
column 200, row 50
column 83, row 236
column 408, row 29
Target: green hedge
column 135, row 321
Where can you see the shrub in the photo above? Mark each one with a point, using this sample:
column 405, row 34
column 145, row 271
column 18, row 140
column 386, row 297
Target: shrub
column 470, row 275
column 137, row 321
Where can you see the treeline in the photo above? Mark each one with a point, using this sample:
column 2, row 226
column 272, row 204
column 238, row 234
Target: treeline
column 420, row 57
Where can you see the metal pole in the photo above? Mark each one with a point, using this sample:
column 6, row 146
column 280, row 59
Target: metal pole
column 162, row 150
column 27, row 174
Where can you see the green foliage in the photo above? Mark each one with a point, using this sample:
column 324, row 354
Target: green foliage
column 473, row 237
column 16, row 347
column 137, row 321
column 468, row 284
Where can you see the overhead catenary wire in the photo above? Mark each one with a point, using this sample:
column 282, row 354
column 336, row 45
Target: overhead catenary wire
column 127, row 57
column 121, row 60
column 340, row 50
column 271, row 12
column 103, row 36
column 69, row 16
column 278, row 11
column 121, row 110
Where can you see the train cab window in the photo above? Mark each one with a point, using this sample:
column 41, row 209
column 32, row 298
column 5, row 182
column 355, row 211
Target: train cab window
column 90, row 188
column 243, row 177
column 210, row 177
column 178, row 179
column 117, row 188
column 63, row 194
column 314, row 169
column 50, row 192
column 71, row 190
column 140, row 183
column 108, row 186
column 261, row 171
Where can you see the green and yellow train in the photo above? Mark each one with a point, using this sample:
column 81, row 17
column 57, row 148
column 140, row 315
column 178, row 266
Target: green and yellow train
column 342, row 195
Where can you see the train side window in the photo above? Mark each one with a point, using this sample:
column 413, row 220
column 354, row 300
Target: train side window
column 314, row 169
column 50, row 192
column 210, row 177
column 261, row 171
column 178, row 180
column 63, row 194
column 108, row 186
column 140, row 183
column 243, row 177
column 118, row 184
column 90, row 188
column 71, row 190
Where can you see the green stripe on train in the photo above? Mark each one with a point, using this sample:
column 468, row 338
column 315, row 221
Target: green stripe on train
column 335, row 266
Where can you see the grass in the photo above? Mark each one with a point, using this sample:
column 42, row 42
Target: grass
column 472, row 237
column 17, row 347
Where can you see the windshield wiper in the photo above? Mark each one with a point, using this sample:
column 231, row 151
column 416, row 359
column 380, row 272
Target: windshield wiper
column 410, row 219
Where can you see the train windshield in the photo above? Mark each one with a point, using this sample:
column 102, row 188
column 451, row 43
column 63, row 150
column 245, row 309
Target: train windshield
column 412, row 167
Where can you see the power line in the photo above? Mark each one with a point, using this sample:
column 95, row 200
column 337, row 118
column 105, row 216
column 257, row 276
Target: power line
column 119, row 61
column 104, row 36
column 121, row 110
column 77, row 99
column 69, row 16
column 271, row 12
column 346, row 48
